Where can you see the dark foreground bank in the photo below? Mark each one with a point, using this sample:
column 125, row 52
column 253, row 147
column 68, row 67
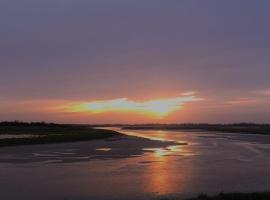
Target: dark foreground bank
column 18, row 133
column 235, row 196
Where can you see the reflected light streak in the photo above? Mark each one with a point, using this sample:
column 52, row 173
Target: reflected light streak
column 162, row 175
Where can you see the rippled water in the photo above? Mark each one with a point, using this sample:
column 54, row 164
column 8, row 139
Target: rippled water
column 204, row 162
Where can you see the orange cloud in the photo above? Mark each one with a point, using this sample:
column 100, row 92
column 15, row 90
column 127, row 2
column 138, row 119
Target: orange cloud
column 157, row 107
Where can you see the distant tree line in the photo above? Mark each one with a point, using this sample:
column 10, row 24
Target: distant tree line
column 25, row 124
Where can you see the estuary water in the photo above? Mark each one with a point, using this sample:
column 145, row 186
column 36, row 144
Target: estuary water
column 132, row 169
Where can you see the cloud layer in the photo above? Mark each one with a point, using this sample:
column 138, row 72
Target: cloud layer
column 157, row 107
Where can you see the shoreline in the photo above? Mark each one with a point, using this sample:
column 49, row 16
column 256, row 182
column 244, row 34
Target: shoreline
column 120, row 147
column 256, row 129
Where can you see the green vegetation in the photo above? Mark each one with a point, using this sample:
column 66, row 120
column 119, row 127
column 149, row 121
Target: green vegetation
column 231, row 128
column 43, row 133
column 235, row 196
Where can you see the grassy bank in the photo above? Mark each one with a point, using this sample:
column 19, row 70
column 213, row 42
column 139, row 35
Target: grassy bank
column 235, row 196
column 42, row 133
column 231, row 128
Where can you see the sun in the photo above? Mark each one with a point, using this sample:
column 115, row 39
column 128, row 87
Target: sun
column 161, row 108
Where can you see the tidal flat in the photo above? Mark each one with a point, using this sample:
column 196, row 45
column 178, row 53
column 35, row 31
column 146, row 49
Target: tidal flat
column 137, row 165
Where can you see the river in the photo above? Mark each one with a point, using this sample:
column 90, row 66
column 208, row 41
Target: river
column 203, row 162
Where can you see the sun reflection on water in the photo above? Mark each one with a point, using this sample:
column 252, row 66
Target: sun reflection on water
column 161, row 179
column 163, row 174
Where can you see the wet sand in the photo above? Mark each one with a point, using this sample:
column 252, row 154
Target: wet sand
column 112, row 148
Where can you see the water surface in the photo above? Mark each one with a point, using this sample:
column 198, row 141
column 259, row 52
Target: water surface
column 203, row 162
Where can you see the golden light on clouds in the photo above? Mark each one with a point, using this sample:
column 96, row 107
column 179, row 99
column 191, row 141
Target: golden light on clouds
column 155, row 107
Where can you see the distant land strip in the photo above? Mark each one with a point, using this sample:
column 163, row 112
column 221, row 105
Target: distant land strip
column 248, row 128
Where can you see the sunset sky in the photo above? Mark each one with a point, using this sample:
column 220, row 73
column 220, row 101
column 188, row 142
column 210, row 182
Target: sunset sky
column 135, row 61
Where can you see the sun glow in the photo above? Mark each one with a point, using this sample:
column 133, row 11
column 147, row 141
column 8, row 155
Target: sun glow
column 159, row 107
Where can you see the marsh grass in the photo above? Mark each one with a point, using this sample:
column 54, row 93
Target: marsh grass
column 46, row 134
